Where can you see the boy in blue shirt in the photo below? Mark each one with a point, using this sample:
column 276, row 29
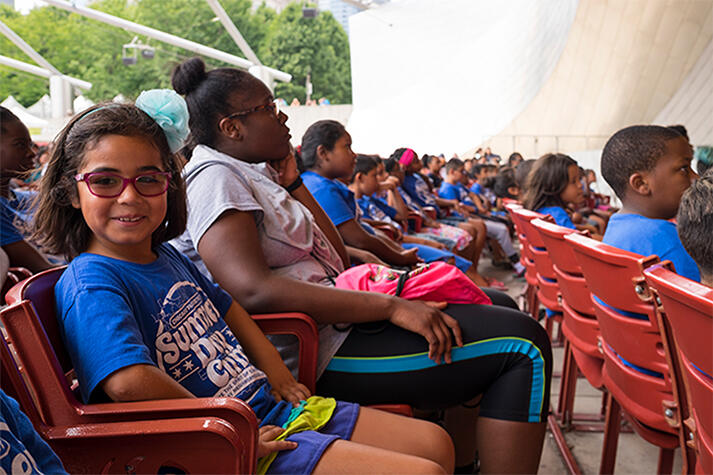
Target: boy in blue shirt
column 649, row 169
column 453, row 189
column 695, row 222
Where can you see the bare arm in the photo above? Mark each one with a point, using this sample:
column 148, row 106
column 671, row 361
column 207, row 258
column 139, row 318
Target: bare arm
column 303, row 195
column 355, row 235
column 264, row 356
column 231, row 251
column 142, row 382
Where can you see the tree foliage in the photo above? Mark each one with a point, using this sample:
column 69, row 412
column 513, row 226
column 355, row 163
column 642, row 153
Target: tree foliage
column 92, row 51
column 318, row 46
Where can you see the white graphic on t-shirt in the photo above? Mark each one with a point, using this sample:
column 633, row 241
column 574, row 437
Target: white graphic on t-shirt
column 22, row 462
column 196, row 348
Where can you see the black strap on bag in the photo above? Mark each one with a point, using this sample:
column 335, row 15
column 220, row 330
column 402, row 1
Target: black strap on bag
column 372, row 328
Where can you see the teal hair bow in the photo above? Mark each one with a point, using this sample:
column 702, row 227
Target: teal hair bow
column 170, row 112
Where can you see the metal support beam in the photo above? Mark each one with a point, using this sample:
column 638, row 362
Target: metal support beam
column 233, row 31
column 38, row 71
column 27, row 49
column 165, row 37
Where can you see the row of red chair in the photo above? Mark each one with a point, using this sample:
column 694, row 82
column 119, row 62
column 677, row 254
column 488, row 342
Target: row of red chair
column 621, row 340
column 135, row 437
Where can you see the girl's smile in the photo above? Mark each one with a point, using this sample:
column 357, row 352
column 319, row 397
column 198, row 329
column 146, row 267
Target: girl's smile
column 122, row 226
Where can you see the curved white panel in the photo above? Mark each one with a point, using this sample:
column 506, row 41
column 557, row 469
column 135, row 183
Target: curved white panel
column 692, row 104
column 440, row 76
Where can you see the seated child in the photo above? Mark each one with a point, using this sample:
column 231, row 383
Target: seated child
column 364, row 183
column 553, row 183
column 649, row 168
column 695, row 222
column 325, row 163
column 452, row 188
column 16, row 154
column 140, row 322
column 23, row 450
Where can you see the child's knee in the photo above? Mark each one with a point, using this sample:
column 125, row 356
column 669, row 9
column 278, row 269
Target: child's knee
column 440, row 445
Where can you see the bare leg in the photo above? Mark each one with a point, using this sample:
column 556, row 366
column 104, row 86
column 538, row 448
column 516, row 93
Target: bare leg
column 460, row 422
column 508, row 446
column 345, row 457
column 388, row 443
column 405, row 435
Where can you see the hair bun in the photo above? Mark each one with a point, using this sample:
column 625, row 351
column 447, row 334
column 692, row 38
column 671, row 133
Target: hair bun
column 188, row 75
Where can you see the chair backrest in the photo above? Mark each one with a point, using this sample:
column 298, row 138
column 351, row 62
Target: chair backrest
column 571, row 282
column 636, row 371
column 537, row 249
column 33, row 333
column 687, row 308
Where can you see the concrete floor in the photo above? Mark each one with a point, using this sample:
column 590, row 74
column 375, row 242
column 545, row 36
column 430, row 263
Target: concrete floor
column 634, row 455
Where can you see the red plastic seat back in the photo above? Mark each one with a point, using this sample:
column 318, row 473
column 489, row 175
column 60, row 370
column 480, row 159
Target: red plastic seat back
column 688, row 308
column 636, row 371
column 571, row 282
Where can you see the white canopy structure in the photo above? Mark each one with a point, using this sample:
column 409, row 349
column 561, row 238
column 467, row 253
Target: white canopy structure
column 441, row 76
column 35, row 124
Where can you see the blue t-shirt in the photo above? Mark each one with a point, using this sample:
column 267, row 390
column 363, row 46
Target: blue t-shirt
column 332, row 195
column 419, row 191
column 559, row 214
column 477, row 188
column 377, row 210
column 22, row 450
column 646, row 236
column 16, row 207
column 114, row 314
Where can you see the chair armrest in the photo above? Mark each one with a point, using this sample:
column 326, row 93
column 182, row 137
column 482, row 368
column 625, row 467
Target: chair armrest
column 193, row 445
column 415, row 221
column 305, row 329
column 431, row 212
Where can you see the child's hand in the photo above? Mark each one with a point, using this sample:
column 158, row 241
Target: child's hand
column 266, row 443
column 287, row 169
column 285, row 387
column 410, row 257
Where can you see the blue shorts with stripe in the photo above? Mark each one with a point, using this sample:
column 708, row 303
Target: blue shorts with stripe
column 506, row 358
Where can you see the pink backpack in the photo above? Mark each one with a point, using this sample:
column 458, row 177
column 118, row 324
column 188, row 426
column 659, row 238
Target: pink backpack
column 436, row 282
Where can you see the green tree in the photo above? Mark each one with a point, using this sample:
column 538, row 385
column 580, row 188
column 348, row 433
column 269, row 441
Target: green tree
column 92, row 50
column 318, row 46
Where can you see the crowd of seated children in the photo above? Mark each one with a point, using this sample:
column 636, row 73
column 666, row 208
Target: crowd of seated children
column 364, row 185
column 322, row 175
column 389, row 199
column 552, row 185
column 695, row 222
column 391, row 174
column 454, row 188
column 649, row 169
column 140, row 322
column 248, row 210
column 16, row 155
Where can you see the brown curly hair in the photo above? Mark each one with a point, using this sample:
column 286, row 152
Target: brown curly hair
column 58, row 227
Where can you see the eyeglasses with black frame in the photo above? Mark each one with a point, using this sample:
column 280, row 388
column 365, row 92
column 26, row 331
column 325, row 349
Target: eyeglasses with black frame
column 273, row 106
column 111, row 185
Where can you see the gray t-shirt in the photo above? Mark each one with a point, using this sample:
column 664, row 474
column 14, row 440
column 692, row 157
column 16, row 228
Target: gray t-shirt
column 291, row 241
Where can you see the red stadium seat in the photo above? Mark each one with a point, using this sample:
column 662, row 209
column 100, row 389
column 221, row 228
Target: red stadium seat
column 206, row 435
column 579, row 323
column 636, row 372
column 526, row 260
column 686, row 311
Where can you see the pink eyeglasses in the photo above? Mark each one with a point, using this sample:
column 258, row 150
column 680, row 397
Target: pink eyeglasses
column 111, row 185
